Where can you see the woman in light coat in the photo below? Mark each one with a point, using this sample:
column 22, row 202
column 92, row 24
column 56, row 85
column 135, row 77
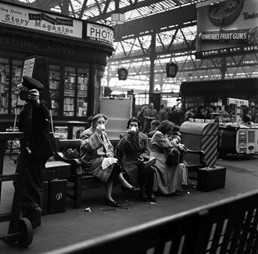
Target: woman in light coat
column 168, row 177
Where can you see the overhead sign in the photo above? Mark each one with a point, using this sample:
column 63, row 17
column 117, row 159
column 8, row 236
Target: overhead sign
column 41, row 21
column 227, row 28
column 122, row 73
column 99, row 33
column 171, row 69
column 238, row 102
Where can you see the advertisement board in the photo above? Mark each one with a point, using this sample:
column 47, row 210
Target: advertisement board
column 38, row 20
column 227, row 27
column 99, row 33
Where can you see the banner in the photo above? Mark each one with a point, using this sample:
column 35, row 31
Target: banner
column 227, row 28
column 33, row 19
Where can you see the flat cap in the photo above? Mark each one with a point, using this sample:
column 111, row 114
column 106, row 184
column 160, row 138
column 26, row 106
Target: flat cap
column 32, row 83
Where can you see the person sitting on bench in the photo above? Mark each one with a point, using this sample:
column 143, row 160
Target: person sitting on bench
column 131, row 151
column 97, row 153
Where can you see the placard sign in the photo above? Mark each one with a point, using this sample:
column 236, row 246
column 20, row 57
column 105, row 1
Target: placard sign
column 28, row 67
column 100, row 33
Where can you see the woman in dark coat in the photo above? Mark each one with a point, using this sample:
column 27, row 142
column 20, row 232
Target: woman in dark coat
column 131, row 149
column 97, row 153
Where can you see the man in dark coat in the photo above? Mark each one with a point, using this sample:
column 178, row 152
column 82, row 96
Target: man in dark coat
column 36, row 147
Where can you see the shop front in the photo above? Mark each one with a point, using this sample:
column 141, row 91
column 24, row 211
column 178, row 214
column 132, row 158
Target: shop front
column 75, row 51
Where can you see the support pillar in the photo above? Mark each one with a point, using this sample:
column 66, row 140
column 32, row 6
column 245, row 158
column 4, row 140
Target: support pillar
column 152, row 62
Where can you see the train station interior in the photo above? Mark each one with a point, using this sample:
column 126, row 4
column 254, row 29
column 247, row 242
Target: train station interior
column 87, row 74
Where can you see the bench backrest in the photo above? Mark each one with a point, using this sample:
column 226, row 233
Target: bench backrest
column 228, row 226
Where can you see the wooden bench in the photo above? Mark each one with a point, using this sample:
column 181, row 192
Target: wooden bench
column 67, row 150
column 227, row 226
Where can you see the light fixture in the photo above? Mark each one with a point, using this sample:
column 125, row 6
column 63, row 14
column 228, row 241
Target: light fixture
column 118, row 18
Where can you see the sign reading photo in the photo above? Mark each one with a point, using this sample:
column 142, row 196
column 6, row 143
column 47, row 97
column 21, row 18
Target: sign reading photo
column 227, row 28
column 33, row 19
column 100, row 33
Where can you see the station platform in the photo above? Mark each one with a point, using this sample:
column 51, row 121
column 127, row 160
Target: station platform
column 75, row 225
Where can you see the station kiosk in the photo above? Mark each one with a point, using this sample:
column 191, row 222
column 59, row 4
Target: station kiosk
column 237, row 137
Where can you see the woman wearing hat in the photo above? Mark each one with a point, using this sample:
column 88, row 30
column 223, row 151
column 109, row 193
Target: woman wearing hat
column 131, row 149
column 168, row 177
column 97, row 153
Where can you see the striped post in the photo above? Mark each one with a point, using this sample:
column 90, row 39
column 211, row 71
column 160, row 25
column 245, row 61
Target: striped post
column 210, row 143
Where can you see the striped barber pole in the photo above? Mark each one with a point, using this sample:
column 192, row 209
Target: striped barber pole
column 210, row 143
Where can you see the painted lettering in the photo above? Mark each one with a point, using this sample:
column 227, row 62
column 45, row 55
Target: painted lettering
column 17, row 21
column 250, row 15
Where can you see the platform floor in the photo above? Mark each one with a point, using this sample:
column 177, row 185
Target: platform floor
column 75, row 225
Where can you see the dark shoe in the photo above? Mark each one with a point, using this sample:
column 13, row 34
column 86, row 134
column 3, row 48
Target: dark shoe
column 178, row 193
column 111, row 203
column 143, row 194
column 34, row 215
column 36, row 222
column 152, row 198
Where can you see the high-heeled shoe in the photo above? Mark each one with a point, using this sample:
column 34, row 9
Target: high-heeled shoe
column 132, row 189
column 111, row 203
column 143, row 194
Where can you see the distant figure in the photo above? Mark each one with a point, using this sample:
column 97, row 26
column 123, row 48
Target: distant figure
column 210, row 110
column 200, row 113
column 247, row 116
column 154, row 127
column 189, row 114
column 149, row 115
column 140, row 116
column 163, row 115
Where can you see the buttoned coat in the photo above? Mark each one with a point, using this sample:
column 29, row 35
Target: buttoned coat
column 94, row 148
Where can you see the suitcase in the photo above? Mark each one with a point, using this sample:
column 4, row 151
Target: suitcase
column 57, row 196
column 211, row 178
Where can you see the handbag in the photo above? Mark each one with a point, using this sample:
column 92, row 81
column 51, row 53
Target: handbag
column 146, row 161
column 172, row 157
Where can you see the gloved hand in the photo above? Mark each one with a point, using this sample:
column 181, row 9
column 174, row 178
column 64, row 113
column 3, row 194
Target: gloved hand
column 33, row 95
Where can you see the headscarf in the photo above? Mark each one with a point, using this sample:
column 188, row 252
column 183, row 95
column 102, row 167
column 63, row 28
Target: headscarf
column 166, row 126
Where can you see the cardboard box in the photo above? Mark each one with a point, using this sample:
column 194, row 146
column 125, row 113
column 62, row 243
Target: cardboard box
column 211, row 178
column 57, row 196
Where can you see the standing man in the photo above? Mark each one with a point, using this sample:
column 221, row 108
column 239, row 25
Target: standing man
column 149, row 114
column 36, row 147
column 163, row 114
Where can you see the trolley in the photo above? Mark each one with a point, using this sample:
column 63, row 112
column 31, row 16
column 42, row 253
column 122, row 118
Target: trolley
column 20, row 229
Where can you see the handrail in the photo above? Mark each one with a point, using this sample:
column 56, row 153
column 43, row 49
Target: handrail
column 194, row 225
